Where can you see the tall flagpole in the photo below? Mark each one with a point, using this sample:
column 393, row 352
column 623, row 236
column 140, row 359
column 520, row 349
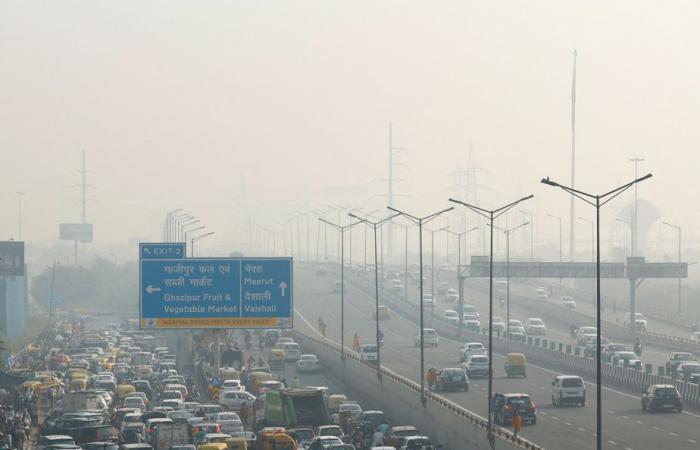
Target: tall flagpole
column 572, row 238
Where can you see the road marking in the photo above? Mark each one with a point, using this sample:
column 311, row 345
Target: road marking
column 628, row 448
column 567, row 423
column 657, row 428
column 640, row 422
column 625, row 417
column 613, row 442
column 581, row 429
column 692, row 441
column 555, row 417
column 673, row 434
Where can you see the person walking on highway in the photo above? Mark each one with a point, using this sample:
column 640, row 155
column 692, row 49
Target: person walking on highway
column 296, row 383
column 356, row 342
column 432, row 378
column 245, row 412
column 517, row 421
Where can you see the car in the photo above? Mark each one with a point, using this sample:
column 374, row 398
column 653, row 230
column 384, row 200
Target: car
column 640, row 321
column 179, row 415
column 292, row 351
column 53, row 439
column 677, row 358
column 627, row 359
column 452, row 378
column 568, row 389
column 170, row 403
column 370, row 420
column 325, row 441
column 450, row 316
column 397, row 435
column 695, row 337
column 476, row 366
column 302, row 435
column 591, row 348
column 451, row 295
column 351, row 408
column 611, row 349
column 568, row 302
column 516, row 330
column 535, row 326
column 229, row 422
column 430, row 338
column 396, row 286
column 659, row 397
column 499, row 325
column 134, row 402
column 171, row 395
column 232, row 400
column 472, row 324
column 329, row 430
column 520, row 401
column 428, row 301
column 232, row 385
column 368, row 352
column 339, row 285
column 581, row 331
column 308, row 363
column 471, row 309
column 687, row 370
column 471, row 348
column 416, row 443
column 189, row 406
column 541, row 293
column 384, row 313
column 443, row 287
column 208, row 411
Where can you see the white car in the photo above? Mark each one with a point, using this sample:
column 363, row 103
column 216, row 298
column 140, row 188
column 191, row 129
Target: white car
column 430, row 338
column 451, row 317
column 516, row 328
column 568, row 389
column 308, row 363
column 451, row 295
column 568, row 301
column 640, row 321
column 541, row 293
column 471, row 349
column 232, row 385
column 471, row 309
column 535, row 326
column 368, row 352
column 476, row 365
column 584, row 330
column 428, row 301
column 499, row 325
column 292, row 351
column 232, row 400
column 472, row 324
column 229, row 422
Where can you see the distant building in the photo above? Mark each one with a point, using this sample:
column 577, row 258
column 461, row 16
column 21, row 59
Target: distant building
column 13, row 305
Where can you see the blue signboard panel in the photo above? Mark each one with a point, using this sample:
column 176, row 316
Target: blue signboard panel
column 216, row 293
column 162, row 250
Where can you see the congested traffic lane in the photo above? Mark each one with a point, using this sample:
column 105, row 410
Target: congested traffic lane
column 556, row 428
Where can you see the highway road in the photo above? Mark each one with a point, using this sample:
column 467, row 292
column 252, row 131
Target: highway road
column 625, row 425
column 476, row 293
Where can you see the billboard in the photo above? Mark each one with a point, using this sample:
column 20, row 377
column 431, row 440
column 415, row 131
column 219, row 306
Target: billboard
column 12, row 258
column 216, row 293
column 81, row 232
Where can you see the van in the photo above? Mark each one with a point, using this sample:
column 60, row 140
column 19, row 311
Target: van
column 515, row 365
column 568, row 389
column 334, row 401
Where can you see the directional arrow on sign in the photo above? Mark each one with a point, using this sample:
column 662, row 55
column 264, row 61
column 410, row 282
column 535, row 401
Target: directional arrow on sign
column 147, row 250
column 150, row 289
column 283, row 288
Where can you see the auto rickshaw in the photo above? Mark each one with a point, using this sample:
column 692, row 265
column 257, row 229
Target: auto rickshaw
column 78, row 384
column 276, row 359
column 516, row 364
column 275, row 440
column 123, row 390
column 213, row 446
column 255, row 378
column 237, row 443
column 229, row 373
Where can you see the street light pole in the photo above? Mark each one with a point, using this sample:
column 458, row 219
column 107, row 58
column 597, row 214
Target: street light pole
column 677, row 228
column 420, row 221
column 598, row 201
column 635, row 238
column 341, row 231
column 374, row 226
column 532, row 224
column 592, row 246
column 460, row 277
column 629, row 224
column 507, row 232
column 491, row 215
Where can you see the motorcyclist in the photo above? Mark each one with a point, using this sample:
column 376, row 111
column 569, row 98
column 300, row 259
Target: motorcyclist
column 501, row 301
column 572, row 330
column 380, row 336
column 638, row 346
column 358, row 438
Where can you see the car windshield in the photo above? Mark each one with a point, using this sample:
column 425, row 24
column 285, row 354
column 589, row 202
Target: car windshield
column 228, row 416
column 480, row 359
column 369, row 349
column 627, row 355
column 685, row 357
column 666, row 392
column 616, row 348
column 536, row 321
column 429, row 332
column 453, row 372
column 350, row 407
column 571, row 382
column 522, row 401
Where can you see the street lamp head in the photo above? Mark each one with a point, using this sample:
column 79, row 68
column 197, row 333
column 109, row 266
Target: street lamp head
column 645, row 177
column 549, row 182
column 526, row 198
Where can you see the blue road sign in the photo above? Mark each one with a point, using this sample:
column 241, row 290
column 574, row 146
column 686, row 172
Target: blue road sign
column 162, row 250
column 216, row 293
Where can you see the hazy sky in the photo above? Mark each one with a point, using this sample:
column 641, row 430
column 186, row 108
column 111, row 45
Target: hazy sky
column 177, row 102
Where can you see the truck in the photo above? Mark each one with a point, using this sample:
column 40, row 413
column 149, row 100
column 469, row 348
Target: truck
column 290, row 408
column 75, row 401
column 167, row 435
